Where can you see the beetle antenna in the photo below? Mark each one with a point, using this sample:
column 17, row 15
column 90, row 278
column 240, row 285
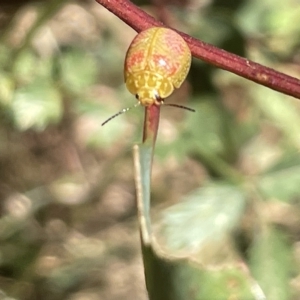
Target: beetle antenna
column 120, row 112
column 180, row 106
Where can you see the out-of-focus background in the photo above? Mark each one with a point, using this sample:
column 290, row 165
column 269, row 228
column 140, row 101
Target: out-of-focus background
column 68, row 227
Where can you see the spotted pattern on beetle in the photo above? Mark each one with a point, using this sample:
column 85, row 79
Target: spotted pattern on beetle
column 157, row 62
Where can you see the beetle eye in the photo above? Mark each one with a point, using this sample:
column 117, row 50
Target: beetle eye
column 137, row 96
column 158, row 98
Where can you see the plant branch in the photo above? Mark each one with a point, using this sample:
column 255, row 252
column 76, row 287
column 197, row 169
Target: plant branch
column 139, row 20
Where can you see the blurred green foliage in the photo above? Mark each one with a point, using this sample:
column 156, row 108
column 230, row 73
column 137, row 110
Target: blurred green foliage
column 68, row 225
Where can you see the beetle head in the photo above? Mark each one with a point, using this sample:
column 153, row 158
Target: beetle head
column 147, row 97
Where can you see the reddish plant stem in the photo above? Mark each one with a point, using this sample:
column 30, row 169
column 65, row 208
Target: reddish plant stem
column 139, row 20
column 151, row 122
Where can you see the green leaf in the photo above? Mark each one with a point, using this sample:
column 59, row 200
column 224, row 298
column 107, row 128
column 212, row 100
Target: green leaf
column 28, row 67
column 190, row 237
column 78, row 70
column 6, row 89
column 223, row 284
column 207, row 215
column 205, row 127
column 282, row 184
column 271, row 265
column 269, row 17
column 36, row 105
column 202, row 132
column 281, row 110
column 143, row 155
column 91, row 115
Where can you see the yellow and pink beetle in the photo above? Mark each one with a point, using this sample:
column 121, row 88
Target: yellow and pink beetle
column 156, row 63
